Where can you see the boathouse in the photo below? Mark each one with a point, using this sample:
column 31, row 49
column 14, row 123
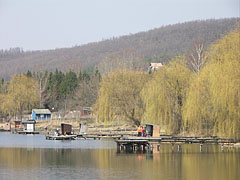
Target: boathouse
column 41, row 114
column 29, row 126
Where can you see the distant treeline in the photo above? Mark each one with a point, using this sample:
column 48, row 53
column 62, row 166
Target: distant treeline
column 159, row 45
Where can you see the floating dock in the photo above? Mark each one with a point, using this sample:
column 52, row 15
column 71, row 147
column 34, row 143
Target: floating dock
column 28, row 132
column 67, row 137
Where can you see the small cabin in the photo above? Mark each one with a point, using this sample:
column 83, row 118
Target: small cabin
column 66, row 129
column 41, row 114
column 86, row 111
column 7, row 126
column 153, row 130
column 29, row 125
column 83, row 129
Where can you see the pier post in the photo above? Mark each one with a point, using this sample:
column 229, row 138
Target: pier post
column 172, row 146
column 222, row 147
column 179, row 147
column 118, row 147
column 201, row 147
column 151, row 146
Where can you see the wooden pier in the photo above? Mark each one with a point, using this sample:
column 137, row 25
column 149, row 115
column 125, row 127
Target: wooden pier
column 141, row 143
column 132, row 144
column 98, row 136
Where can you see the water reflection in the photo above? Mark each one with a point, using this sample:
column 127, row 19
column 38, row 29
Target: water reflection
column 167, row 162
column 189, row 162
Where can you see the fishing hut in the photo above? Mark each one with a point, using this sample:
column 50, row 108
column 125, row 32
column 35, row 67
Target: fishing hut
column 28, row 127
column 152, row 130
column 66, row 129
column 83, row 129
column 7, row 126
column 138, row 143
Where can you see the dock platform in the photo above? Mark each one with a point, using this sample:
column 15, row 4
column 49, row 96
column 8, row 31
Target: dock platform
column 28, row 132
column 67, row 137
column 132, row 144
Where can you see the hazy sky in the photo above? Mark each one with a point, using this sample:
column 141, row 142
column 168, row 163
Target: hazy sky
column 50, row 24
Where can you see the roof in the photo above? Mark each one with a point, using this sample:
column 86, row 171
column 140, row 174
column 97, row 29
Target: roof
column 64, row 124
column 156, row 65
column 29, row 122
column 151, row 124
column 41, row 111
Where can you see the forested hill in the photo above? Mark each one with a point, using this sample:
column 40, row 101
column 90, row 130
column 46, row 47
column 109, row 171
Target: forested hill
column 159, row 44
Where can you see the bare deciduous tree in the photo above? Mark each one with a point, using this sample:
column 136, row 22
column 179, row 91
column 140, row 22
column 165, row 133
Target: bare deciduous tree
column 197, row 58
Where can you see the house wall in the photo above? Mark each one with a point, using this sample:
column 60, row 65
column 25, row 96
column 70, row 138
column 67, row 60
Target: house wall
column 33, row 115
column 43, row 116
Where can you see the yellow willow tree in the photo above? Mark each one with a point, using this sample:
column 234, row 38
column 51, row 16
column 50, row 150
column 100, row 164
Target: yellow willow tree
column 119, row 96
column 215, row 107
column 22, row 95
column 224, row 85
column 196, row 117
column 165, row 94
column 2, row 97
column 6, row 105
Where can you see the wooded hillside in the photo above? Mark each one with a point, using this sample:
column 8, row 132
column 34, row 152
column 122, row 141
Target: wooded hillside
column 159, row 44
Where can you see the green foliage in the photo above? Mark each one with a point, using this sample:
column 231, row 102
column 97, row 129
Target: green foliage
column 29, row 74
column 68, row 88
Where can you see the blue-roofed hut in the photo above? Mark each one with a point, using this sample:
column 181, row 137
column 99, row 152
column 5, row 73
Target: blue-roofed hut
column 41, row 114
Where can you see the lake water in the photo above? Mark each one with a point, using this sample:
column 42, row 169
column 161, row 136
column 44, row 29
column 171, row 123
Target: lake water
column 32, row 157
